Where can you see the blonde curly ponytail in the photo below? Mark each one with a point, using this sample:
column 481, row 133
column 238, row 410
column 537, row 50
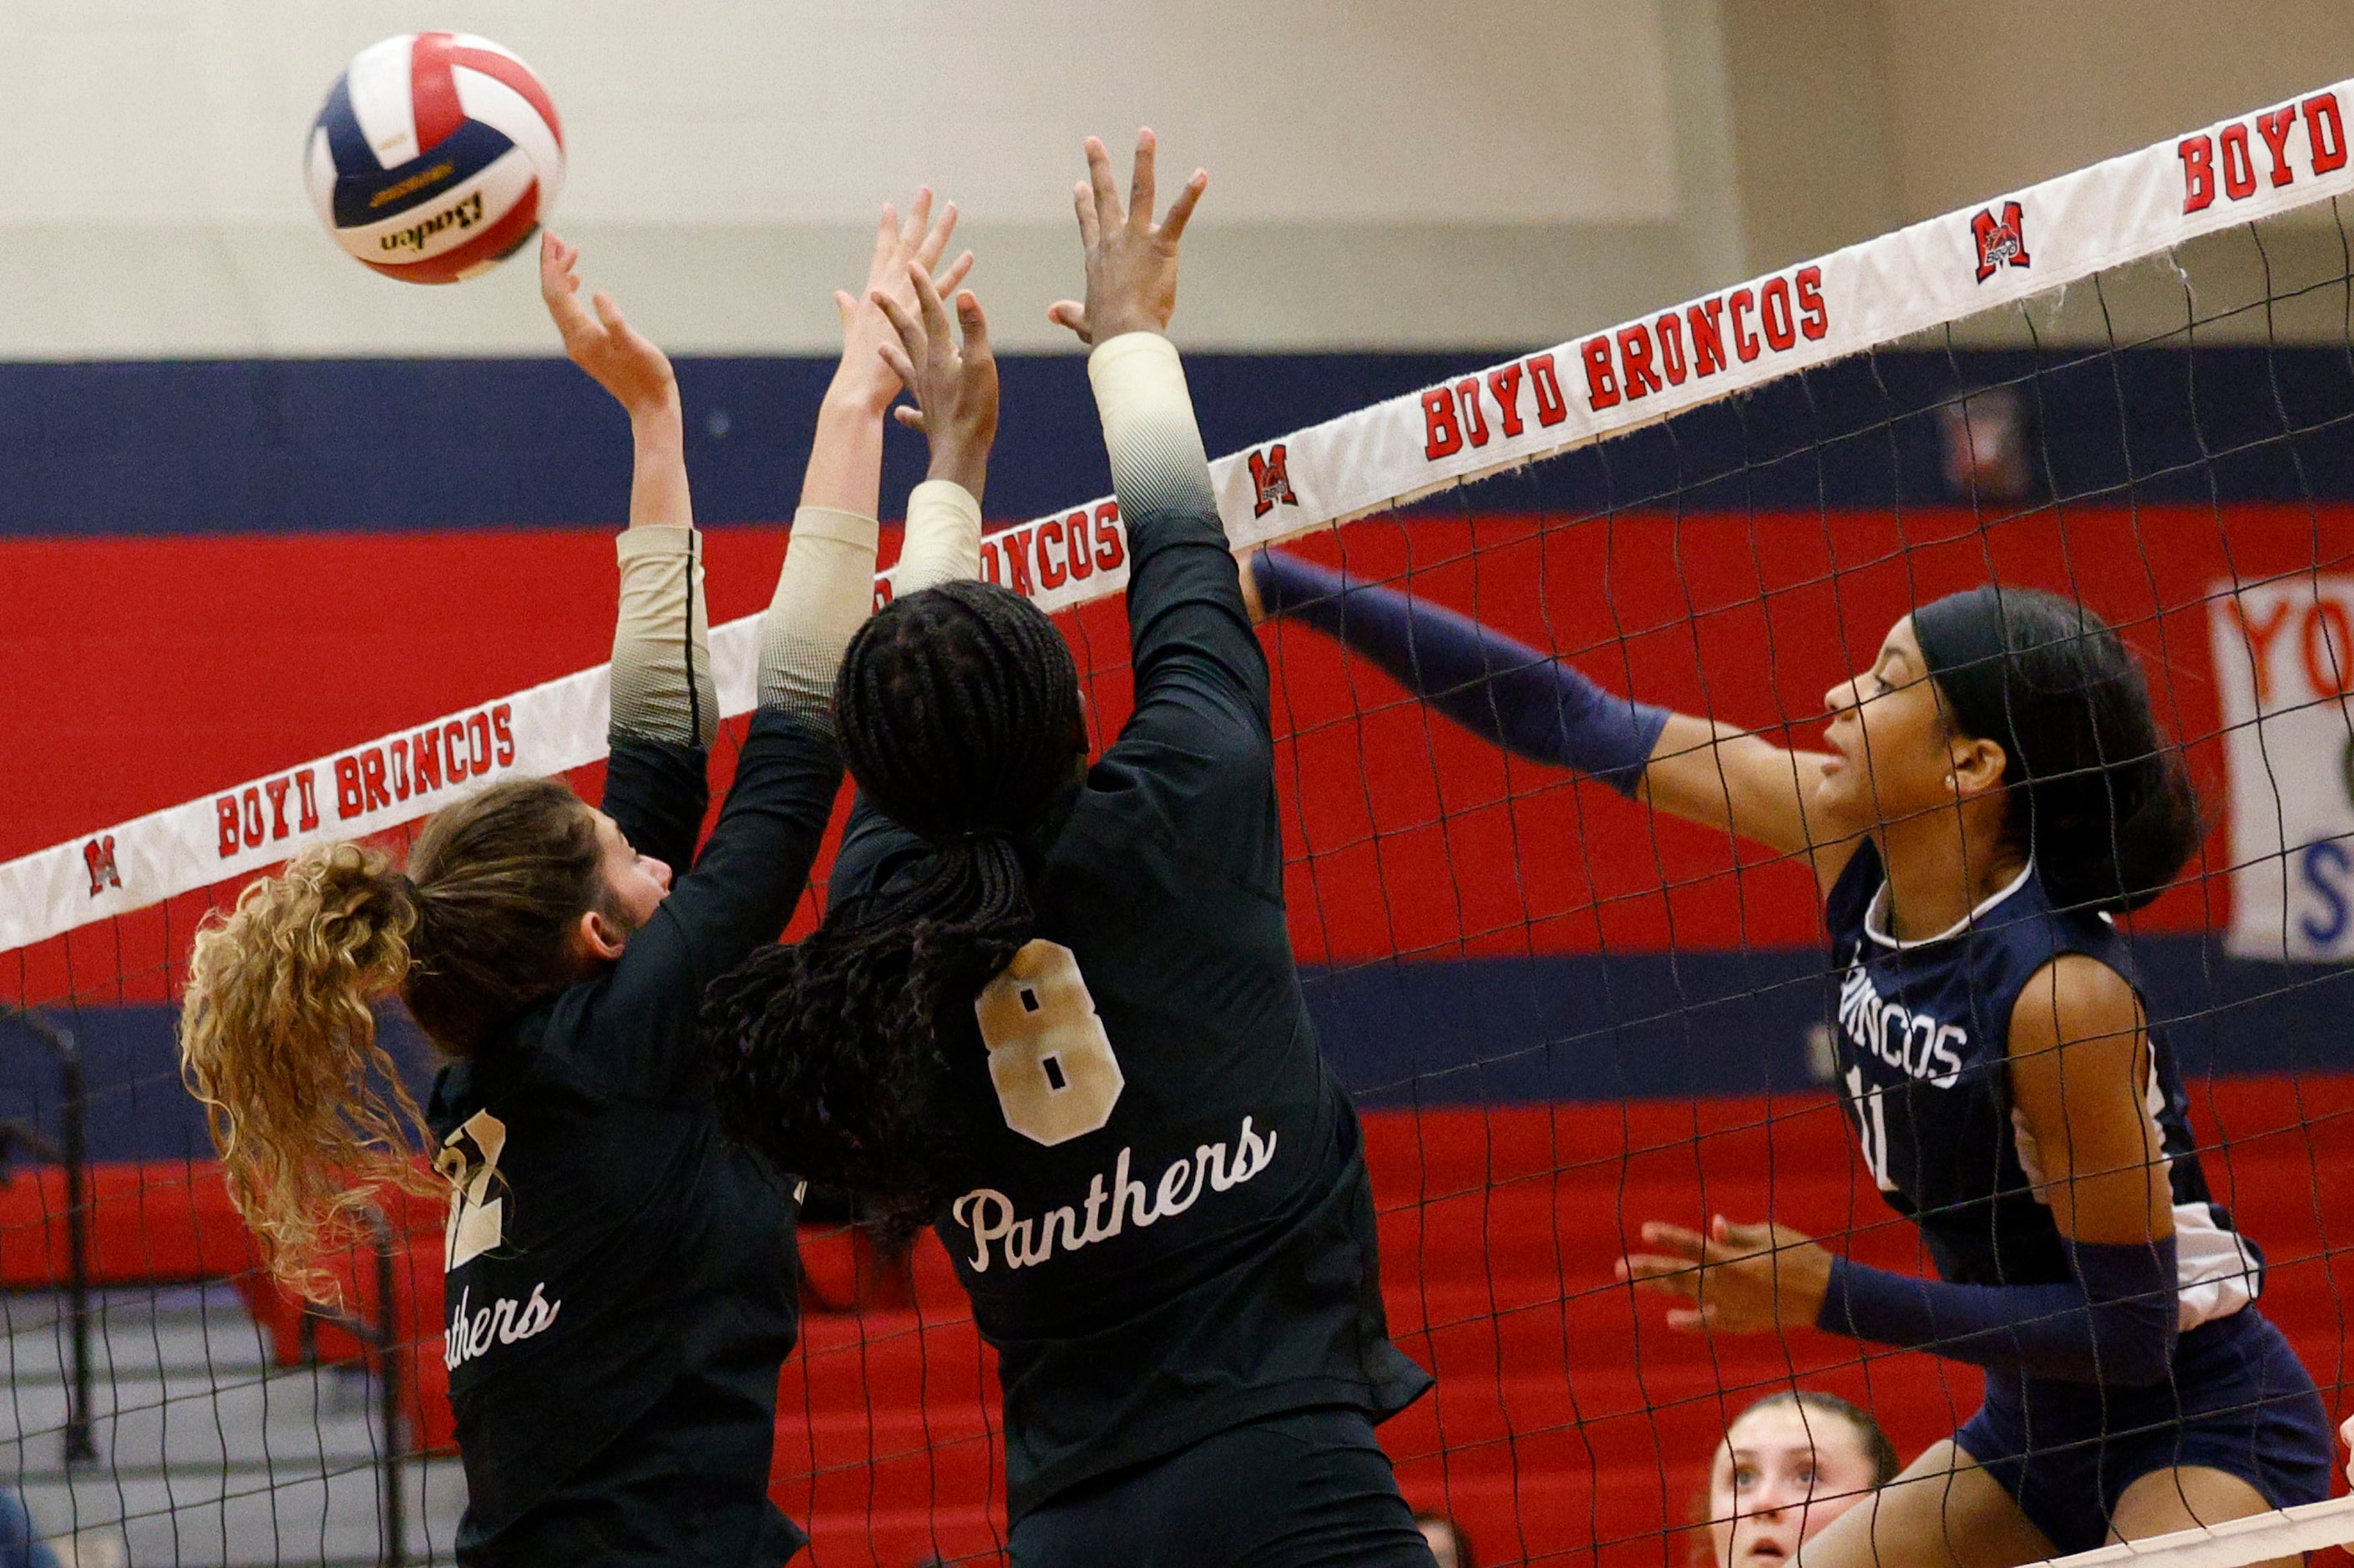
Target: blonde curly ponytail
column 276, row 1034
column 279, row 1040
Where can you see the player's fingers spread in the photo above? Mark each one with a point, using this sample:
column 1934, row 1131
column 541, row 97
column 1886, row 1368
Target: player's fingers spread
column 911, row 417
column 959, row 270
column 927, row 301
column 1072, row 315
column 935, row 239
column 1675, row 1275
column 973, row 325
column 897, row 358
column 1100, row 180
column 609, row 311
column 919, row 219
column 1720, row 1255
column 903, row 321
column 1082, row 202
column 1140, row 182
column 1181, row 211
column 1736, row 1237
column 1685, row 1243
column 556, row 279
column 564, row 305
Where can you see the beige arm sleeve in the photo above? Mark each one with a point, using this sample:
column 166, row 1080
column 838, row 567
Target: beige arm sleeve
column 662, row 661
column 943, row 542
column 1149, row 433
column 822, row 597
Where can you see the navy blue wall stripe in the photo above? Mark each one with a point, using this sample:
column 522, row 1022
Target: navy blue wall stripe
column 273, row 446
column 1582, row 1027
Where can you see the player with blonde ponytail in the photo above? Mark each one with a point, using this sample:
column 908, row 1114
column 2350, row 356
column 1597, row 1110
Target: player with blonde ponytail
column 619, row 1279
column 313, row 1125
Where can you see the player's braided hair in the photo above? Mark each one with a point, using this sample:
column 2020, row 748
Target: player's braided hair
column 958, row 713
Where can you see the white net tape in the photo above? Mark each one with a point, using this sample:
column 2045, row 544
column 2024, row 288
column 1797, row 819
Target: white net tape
column 1931, row 274
column 2259, row 1538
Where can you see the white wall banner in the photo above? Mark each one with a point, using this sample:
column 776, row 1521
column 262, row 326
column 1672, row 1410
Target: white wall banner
column 2283, row 667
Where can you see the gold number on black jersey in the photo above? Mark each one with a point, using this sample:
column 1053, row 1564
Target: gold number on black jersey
column 1048, row 1054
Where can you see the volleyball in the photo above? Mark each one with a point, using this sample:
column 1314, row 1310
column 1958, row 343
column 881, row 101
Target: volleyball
column 435, row 156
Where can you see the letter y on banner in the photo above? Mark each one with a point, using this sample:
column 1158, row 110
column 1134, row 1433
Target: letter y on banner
column 2284, row 668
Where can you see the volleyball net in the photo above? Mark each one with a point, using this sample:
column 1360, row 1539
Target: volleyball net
column 1562, row 1016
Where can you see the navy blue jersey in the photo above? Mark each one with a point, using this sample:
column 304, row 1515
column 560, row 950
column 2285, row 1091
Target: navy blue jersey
column 619, row 1279
column 1924, row 1035
column 1168, row 1228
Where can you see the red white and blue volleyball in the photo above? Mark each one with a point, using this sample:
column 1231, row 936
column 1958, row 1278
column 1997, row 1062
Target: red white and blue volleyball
column 435, row 156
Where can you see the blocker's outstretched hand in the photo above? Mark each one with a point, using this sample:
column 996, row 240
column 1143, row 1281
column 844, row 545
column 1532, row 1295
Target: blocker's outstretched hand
column 902, row 250
column 954, row 384
column 1741, row 1279
column 616, row 356
column 1131, row 260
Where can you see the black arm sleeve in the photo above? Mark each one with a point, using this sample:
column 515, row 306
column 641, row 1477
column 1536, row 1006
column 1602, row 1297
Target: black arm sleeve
column 656, row 793
column 1194, row 764
column 1193, row 769
column 739, row 895
column 1189, row 635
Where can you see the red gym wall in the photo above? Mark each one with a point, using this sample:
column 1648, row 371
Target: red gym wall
column 146, row 672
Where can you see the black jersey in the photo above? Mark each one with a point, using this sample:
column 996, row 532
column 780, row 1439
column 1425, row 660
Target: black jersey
column 609, row 1255
column 1924, row 1035
column 1168, row 1227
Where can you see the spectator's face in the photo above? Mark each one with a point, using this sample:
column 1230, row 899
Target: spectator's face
column 1782, row 1475
column 1441, row 1537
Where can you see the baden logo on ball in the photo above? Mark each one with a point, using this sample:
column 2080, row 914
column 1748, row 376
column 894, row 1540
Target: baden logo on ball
column 435, row 156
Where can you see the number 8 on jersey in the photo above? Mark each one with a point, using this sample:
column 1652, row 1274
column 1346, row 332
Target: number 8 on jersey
column 1049, row 1057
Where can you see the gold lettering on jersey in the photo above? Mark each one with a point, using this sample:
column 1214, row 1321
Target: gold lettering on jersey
column 1022, row 1242
column 469, row 1161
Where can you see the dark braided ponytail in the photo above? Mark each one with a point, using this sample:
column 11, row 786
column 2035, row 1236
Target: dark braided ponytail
column 958, row 713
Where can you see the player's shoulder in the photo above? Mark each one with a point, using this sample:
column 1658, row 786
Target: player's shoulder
column 2072, row 996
